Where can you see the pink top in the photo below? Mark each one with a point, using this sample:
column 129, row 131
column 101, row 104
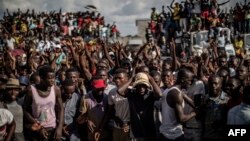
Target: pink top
column 43, row 108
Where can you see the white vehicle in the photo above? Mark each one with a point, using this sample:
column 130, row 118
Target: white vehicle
column 199, row 42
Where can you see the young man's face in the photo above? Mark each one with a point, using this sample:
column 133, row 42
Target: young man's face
column 120, row 79
column 187, row 81
column 154, row 65
column 103, row 75
column 73, row 76
column 141, row 89
column 12, row 93
column 50, row 79
column 167, row 79
column 166, row 66
column 145, row 70
column 241, row 73
column 223, row 62
column 232, row 86
column 157, row 80
column 68, row 91
column 102, row 66
column 99, row 91
column 215, row 85
column 62, row 76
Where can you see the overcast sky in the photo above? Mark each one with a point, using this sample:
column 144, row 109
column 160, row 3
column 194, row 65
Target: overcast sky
column 123, row 12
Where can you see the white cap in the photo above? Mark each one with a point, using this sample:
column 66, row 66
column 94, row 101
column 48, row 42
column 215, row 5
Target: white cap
column 57, row 46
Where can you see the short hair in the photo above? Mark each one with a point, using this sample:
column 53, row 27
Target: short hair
column 71, row 70
column 154, row 73
column 33, row 76
column 68, row 82
column 96, row 78
column 165, row 72
column 125, row 61
column 167, row 61
column 98, row 72
column 182, row 73
column 140, row 69
column 44, row 70
column 214, row 77
column 121, row 70
column 223, row 69
column 235, row 79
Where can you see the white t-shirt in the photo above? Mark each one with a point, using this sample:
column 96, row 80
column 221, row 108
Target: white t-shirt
column 221, row 41
column 197, row 7
column 104, row 31
column 10, row 43
column 5, row 118
column 178, row 37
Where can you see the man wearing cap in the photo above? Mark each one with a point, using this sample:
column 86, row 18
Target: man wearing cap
column 93, row 107
column 141, row 100
column 12, row 90
column 118, row 109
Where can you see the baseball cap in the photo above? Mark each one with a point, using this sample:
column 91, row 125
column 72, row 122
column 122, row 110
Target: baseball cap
column 98, row 84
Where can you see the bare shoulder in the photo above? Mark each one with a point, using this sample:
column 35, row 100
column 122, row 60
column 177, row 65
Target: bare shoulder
column 57, row 90
column 175, row 95
column 29, row 90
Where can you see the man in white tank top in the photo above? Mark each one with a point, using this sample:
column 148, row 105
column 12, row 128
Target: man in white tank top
column 173, row 107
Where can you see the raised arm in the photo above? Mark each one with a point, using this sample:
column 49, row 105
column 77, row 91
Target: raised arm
column 53, row 62
column 174, row 61
column 121, row 91
column 27, row 12
column 7, row 10
column 91, row 60
column 220, row 4
column 111, row 62
column 156, row 88
column 86, row 71
column 139, row 52
column 172, row 4
column 170, row 10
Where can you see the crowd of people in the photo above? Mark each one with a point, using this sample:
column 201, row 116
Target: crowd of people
column 181, row 19
column 61, row 80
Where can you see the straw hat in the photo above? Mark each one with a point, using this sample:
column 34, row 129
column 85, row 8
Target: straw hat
column 141, row 78
column 12, row 83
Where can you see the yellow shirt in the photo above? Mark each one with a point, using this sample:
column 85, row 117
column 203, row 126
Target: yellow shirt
column 24, row 27
column 176, row 15
column 17, row 39
column 238, row 45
